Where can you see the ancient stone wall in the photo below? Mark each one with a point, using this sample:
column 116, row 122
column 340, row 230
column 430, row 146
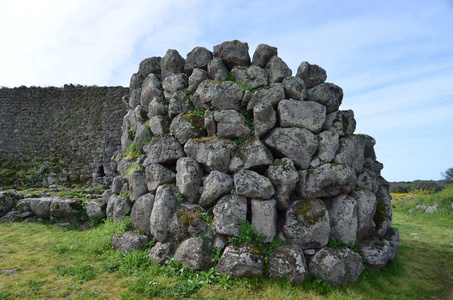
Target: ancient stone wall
column 68, row 133
column 218, row 142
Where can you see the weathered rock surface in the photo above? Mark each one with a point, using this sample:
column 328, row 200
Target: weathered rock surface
column 228, row 213
column 189, row 178
column 253, row 185
column 263, row 53
column 241, row 261
column 328, row 94
column 157, row 175
column 141, row 213
column 231, row 124
column 252, row 77
column 65, row 210
column 222, row 95
column 342, row 122
column 337, row 267
column 186, row 126
column 307, row 224
column 264, row 218
column 327, row 180
column 215, row 185
column 138, row 185
column 251, row 154
column 171, row 63
column 214, row 153
column 165, row 203
column 199, row 58
column 287, row 262
column 129, row 241
column 294, row 88
column 343, row 218
column 298, row 144
column 8, row 201
column 284, row 177
column 161, row 252
column 264, row 118
column 277, row 69
column 304, row 114
column 95, row 210
column 311, row 74
column 164, row 149
column 366, row 208
column 195, row 253
column 41, row 207
column 233, row 53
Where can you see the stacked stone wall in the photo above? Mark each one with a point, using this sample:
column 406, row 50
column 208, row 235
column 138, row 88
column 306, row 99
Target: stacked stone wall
column 72, row 131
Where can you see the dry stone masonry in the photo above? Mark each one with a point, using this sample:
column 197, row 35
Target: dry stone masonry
column 219, row 141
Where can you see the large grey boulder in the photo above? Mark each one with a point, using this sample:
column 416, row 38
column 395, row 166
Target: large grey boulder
column 215, row 185
column 65, row 210
column 197, row 77
column 263, row 53
column 337, row 267
column 41, row 207
column 199, row 57
column 217, row 70
column 307, row 224
column 343, row 218
column 233, row 53
column 143, row 135
column 264, row 218
column 351, row 152
column 213, row 152
column 376, row 254
column 222, row 95
column 304, row 114
column 252, row 77
column 157, row 175
column 327, row 180
column 288, row 262
column 141, row 213
column 250, row 184
column 151, row 89
column 194, row 253
column 129, row 241
column 172, row 63
column 96, row 209
column 277, row 69
column 165, row 203
column 118, row 207
column 264, row 118
column 241, row 261
column 161, row 252
column 367, row 179
column 273, row 95
column 250, row 154
column 134, row 98
column 366, row 208
column 8, row 201
column 189, row 178
column 164, row 149
column 138, row 184
column 284, row 177
column 23, row 205
column 231, row 124
column 329, row 142
column 186, row 222
column 342, row 122
column 159, row 125
column 157, row 107
column 149, row 65
column 294, row 88
column 327, row 94
column 179, row 103
column 186, row 126
column 228, row 214
column 173, row 83
column 311, row 74
column 298, row 144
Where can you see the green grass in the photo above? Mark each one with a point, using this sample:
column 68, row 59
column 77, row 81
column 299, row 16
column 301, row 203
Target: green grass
column 58, row 263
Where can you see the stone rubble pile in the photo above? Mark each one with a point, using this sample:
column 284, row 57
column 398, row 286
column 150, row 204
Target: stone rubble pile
column 218, row 139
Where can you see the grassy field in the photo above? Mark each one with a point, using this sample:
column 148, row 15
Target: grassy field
column 43, row 261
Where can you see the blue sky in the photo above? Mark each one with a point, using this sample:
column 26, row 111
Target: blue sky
column 393, row 59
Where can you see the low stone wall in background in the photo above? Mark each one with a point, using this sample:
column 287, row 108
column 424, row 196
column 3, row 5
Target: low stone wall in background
column 59, row 135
